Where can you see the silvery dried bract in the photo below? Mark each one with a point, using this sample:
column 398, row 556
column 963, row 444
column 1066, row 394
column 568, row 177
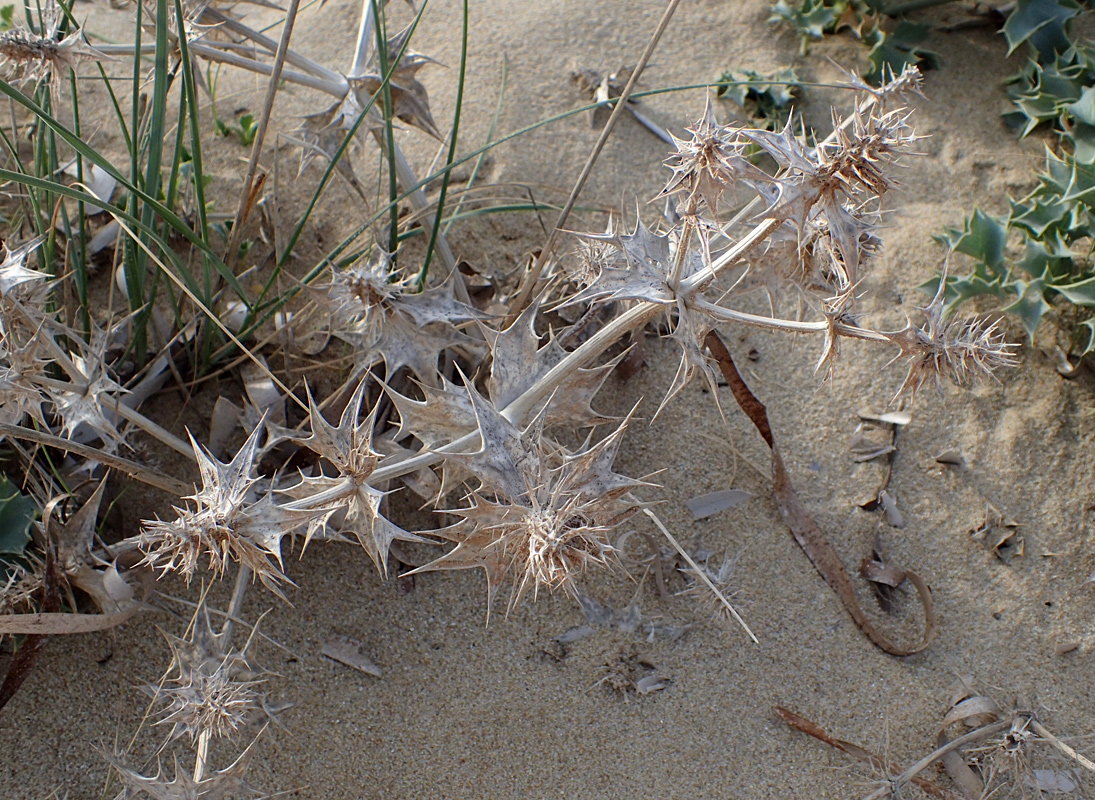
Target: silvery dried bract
column 226, row 524
column 633, row 266
column 14, row 273
column 74, row 540
column 410, row 102
column 539, row 514
column 20, row 395
column 385, row 319
column 324, row 132
column 518, row 361
column 221, row 785
column 348, row 448
column 85, row 405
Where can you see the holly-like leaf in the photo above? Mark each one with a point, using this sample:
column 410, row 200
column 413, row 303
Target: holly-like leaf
column 17, row 512
column 1030, row 306
column 812, row 18
column 1042, row 23
column 892, row 52
column 1081, row 293
column 983, row 237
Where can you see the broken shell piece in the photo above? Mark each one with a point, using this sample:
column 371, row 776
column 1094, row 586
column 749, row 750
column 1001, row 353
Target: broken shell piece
column 347, row 651
column 704, row 505
column 950, row 457
column 1065, row 367
column 886, row 418
column 894, row 518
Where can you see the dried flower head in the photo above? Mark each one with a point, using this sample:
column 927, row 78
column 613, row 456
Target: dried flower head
column 539, row 515
column 707, row 163
column 226, row 524
column 40, row 55
column 963, row 349
column 223, row 784
column 203, row 691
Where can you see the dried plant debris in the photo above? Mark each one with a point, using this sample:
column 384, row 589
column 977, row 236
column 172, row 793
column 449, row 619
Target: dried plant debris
column 719, row 575
column 803, row 527
column 986, row 752
column 1008, row 753
column 1000, row 534
column 631, row 675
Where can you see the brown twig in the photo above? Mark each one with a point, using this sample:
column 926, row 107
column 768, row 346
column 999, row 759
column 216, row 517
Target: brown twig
column 800, row 723
column 802, row 525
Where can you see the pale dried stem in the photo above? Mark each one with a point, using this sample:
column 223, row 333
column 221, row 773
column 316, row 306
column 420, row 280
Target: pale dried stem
column 201, row 757
column 243, row 580
column 131, row 468
column 894, row 785
column 789, row 325
column 291, row 56
column 632, row 319
column 245, row 202
column 1048, row 735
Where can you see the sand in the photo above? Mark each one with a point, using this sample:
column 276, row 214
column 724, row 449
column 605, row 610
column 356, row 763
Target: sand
column 469, row 710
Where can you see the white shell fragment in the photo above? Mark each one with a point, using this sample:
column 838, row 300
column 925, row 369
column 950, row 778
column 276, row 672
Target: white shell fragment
column 704, row 505
column 887, row 418
column 347, row 651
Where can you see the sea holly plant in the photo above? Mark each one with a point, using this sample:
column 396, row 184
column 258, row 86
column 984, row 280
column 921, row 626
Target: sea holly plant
column 501, row 405
column 1038, row 256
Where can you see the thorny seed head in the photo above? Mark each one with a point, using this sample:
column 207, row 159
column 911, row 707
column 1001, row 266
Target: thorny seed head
column 705, row 164
column 858, row 159
column 962, row 349
column 540, row 515
column 204, row 693
column 40, row 56
column 225, row 523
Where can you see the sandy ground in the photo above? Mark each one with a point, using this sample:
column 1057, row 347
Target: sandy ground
column 465, row 710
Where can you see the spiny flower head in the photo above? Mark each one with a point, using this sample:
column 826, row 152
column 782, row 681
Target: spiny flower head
column 225, row 523
column 963, row 349
column 40, row 55
column 203, row 692
column 540, row 515
column 706, row 163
